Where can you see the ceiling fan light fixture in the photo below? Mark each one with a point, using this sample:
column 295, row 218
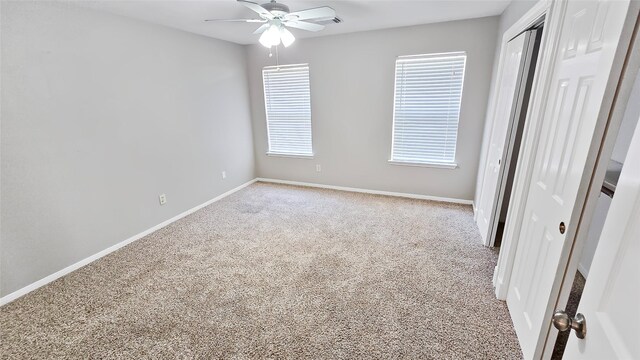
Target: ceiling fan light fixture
column 271, row 37
column 276, row 18
column 286, row 36
column 265, row 40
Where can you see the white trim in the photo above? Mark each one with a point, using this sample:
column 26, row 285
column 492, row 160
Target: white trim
column 442, row 55
column 368, row 191
column 58, row 274
column 295, row 156
column 289, row 66
column 583, row 270
column 425, row 164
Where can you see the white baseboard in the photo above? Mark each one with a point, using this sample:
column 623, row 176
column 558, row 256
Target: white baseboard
column 367, row 191
column 44, row 281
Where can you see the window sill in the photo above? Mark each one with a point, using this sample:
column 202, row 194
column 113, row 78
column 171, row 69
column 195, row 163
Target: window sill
column 430, row 165
column 295, row 156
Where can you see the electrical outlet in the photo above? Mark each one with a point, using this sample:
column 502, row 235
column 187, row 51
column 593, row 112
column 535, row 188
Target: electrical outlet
column 224, row 174
column 318, row 168
column 163, row 199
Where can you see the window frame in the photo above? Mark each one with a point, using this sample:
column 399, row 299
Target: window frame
column 430, row 163
column 269, row 152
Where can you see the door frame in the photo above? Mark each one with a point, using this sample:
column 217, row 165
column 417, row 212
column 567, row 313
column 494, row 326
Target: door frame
column 536, row 14
column 622, row 80
column 515, row 126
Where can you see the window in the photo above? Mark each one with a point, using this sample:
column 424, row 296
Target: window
column 428, row 90
column 288, row 108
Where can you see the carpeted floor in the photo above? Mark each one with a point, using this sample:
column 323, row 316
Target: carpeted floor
column 278, row 271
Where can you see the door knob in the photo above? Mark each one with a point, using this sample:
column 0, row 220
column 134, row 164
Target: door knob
column 563, row 322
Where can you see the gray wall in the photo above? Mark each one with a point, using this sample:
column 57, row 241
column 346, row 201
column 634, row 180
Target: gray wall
column 352, row 107
column 100, row 114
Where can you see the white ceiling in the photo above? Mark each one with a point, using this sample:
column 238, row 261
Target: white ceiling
column 357, row 15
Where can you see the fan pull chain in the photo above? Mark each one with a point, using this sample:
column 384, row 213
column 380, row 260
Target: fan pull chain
column 277, row 55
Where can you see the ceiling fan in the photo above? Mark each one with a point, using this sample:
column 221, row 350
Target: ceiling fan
column 275, row 18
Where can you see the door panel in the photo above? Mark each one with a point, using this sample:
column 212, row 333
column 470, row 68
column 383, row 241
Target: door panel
column 589, row 35
column 612, row 292
column 507, row 94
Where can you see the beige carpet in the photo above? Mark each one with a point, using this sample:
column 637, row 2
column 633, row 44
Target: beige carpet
column 279, row 272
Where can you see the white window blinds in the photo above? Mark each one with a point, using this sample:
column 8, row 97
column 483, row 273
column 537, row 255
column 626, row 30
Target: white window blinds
column 288, row 108
column 428, row 90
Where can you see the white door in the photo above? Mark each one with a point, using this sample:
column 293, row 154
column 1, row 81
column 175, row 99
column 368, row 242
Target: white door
column 610, row 301
column 502, row 119
column 588, row 38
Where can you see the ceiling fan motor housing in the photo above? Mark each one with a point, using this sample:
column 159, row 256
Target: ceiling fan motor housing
column 276, row 9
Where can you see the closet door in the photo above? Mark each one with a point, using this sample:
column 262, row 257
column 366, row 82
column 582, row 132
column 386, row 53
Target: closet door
column 512, row 76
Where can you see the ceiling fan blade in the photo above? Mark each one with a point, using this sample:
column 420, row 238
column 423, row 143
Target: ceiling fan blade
column 261, row 29
column 315, row 13
column 303, row 25
column 257, row 8
column 238, row 20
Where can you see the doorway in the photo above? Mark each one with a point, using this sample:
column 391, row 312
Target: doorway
column 505, row 185
column 513, row 95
